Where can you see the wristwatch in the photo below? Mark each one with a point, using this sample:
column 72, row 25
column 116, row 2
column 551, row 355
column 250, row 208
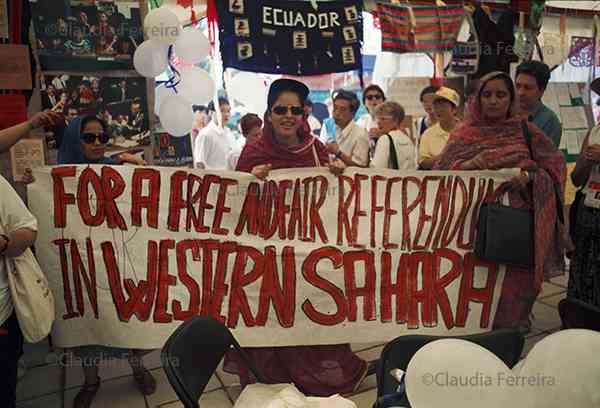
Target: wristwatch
column 338, row 155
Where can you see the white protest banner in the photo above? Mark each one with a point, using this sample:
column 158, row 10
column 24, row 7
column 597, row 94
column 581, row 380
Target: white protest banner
column 304, row 258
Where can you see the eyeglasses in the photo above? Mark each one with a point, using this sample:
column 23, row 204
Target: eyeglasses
column 89, row 138
column 282, row 110
column 373, row 96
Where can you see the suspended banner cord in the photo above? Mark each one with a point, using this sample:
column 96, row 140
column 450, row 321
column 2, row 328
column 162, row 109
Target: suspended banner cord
column 174, row 75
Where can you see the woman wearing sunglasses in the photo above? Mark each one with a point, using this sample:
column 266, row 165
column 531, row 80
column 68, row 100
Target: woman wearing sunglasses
column 287, row 143
column 85, row 142
column 373, row 96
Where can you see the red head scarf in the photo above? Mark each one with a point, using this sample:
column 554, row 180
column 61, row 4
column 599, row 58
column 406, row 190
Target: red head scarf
column 503, row 144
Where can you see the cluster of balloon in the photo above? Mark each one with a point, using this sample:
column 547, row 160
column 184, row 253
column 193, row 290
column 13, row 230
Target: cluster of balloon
column 560, row 371
column 191, row 86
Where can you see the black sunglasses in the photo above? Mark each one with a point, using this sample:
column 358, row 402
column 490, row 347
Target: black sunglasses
column 89, row 138
column 371, row 97
column 282, row 110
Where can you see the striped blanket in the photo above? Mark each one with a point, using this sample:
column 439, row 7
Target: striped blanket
column 424, row 28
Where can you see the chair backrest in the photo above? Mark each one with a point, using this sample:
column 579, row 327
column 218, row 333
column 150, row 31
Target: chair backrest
column 192, row 354
column 506, row 344
column 578, row 315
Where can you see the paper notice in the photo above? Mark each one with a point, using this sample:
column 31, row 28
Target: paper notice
column 15, row 69
column 3, row 19
column 406, row 91
column 550, row 99
column 581, row 134
column 563, row 140
column 574, row 90
column 26, row 154
column 572, row 141
column 573, row 117
column 563, row 94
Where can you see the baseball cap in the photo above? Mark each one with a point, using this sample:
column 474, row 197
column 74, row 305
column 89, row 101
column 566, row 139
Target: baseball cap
column 448, row 94
column 286, row 84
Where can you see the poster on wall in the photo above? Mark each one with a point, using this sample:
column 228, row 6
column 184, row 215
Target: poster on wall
column 86, row 35
column 291, row 37
column 120, row 101
column 171, row 151
column 15, row 70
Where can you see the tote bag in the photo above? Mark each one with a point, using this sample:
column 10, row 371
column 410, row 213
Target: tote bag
column 31, row 296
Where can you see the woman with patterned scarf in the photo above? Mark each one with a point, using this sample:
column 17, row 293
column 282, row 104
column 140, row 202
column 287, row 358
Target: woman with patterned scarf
column 319, row 370
column 491, row 138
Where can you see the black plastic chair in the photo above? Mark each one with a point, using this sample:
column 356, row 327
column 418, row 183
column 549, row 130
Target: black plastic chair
column 192, row 354
column 576, row 314
column 506, row 344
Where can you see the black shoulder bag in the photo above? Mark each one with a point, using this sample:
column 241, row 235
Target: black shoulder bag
column 506, row 235
column 393, row 155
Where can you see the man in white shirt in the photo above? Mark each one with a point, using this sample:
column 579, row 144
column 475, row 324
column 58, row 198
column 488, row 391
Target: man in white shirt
column 351, row 142
column 213, row 144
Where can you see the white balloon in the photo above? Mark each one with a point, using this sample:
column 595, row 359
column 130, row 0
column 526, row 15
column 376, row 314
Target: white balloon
column 250, row 90
column 162, row 25
column 196, row 86
column 565, row 370
column 151, row 58
column 458, row 373
column 192, row 46
column 176, row 115
column 160, row 94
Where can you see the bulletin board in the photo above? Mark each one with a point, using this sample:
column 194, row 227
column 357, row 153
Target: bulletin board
column 568, row 102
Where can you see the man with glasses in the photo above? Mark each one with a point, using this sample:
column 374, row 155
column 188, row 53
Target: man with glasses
column 350, row 143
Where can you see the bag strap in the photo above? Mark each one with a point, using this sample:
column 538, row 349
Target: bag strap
column 528, row 138
column 393, row 155
column 316, row 156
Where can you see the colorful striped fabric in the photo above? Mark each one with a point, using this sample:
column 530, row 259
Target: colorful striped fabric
column 408, row 28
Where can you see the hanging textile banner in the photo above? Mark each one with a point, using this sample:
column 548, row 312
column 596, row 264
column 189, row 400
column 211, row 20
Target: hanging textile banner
column 407, row 28
column 291, row 37
column 302, row 258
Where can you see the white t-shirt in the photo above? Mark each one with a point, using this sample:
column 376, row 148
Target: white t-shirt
column 212, row 146
column 14, row 215
column 354, row 142
column 405, row 152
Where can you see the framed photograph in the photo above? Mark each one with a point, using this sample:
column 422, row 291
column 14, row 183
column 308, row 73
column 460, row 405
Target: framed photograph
column 120, row 101
column 86, row 35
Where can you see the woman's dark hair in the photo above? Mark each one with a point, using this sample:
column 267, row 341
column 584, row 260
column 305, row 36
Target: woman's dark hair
column 199, row 108
column 222, row 101
column 91, row 118
column 373, row 87
column 249, row 121
column 428, row 90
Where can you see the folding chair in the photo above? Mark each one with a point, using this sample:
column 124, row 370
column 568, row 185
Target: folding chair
column 192, row 354
column 506, row 344
column 576, row 314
